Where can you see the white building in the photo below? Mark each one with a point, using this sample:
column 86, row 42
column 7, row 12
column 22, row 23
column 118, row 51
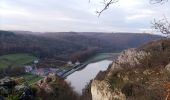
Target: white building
column 77, row 63
column 70, row 63
column 36, row 61
column 28, row 69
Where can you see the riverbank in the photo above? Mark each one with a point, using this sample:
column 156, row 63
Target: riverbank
column 79, row 79
column 96, row 58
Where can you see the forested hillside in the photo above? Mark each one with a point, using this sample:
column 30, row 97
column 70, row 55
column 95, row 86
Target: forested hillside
column 68, row 45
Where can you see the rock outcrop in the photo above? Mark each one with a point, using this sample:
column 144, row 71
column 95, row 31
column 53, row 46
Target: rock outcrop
column 131, row 57
column 128, row 59
column 6, row 85
column 9, row 88
column 45, row 83
column 7, row 82
column 100, row 90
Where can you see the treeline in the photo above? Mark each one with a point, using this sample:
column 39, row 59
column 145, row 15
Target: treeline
column 83, row 55
column 68, row 45
column 12, row 71
column 37, row 45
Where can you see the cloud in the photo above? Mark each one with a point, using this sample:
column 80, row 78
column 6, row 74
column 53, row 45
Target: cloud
column 139, row 14
column 79, row 15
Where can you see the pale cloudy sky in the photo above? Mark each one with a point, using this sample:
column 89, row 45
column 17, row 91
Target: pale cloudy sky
column 79, row 15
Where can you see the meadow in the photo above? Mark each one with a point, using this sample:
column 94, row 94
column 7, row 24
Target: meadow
column 16, row 60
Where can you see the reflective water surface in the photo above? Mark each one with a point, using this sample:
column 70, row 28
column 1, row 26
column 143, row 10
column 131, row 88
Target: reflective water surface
column 80, row 78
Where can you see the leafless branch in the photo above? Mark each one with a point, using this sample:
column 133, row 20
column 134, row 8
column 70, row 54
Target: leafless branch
column 162, row 26
column 158, row 1
column 106, row 3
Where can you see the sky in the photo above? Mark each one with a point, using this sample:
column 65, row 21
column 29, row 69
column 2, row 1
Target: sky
column 80, row 15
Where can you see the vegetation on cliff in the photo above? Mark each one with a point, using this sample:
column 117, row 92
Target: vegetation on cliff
column 136, row 74
column 147, row 79
column 49, row 88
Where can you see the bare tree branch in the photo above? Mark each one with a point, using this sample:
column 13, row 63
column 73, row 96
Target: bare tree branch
column 162, row 26
column 106, row 5
column 158, row 1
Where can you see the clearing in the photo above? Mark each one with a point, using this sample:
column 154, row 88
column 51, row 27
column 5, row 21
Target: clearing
column 15, row 59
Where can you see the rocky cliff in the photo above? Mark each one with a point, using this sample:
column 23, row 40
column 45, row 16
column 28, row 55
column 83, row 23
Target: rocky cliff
column 101, row 91
column 137, row 74
column 128, row 59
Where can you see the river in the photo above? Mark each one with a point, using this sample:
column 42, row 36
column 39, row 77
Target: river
column 81, row 78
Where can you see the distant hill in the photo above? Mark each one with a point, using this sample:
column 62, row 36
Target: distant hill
column 107, row 42
column 67, row 45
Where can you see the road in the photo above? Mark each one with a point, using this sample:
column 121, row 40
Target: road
column 75, row 68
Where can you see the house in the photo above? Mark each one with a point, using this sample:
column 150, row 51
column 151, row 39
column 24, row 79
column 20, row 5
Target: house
column 53, row 69
column 77, row 63
column 36, row 61
column 70, row 63
column 42, row 72
column 28, row 69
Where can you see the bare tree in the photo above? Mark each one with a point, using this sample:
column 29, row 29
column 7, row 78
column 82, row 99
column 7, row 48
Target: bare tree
column 107, row 4
column 162, row 26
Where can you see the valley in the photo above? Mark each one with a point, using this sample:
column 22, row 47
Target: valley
column 84, row 50
column 50, row 62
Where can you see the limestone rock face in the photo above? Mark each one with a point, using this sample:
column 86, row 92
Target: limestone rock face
column 100, row 91
column 128, row 59
column 131, row 57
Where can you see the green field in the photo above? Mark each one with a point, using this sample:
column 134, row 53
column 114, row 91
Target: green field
column 102, row 56
column 30, row 78
column 15, row 59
